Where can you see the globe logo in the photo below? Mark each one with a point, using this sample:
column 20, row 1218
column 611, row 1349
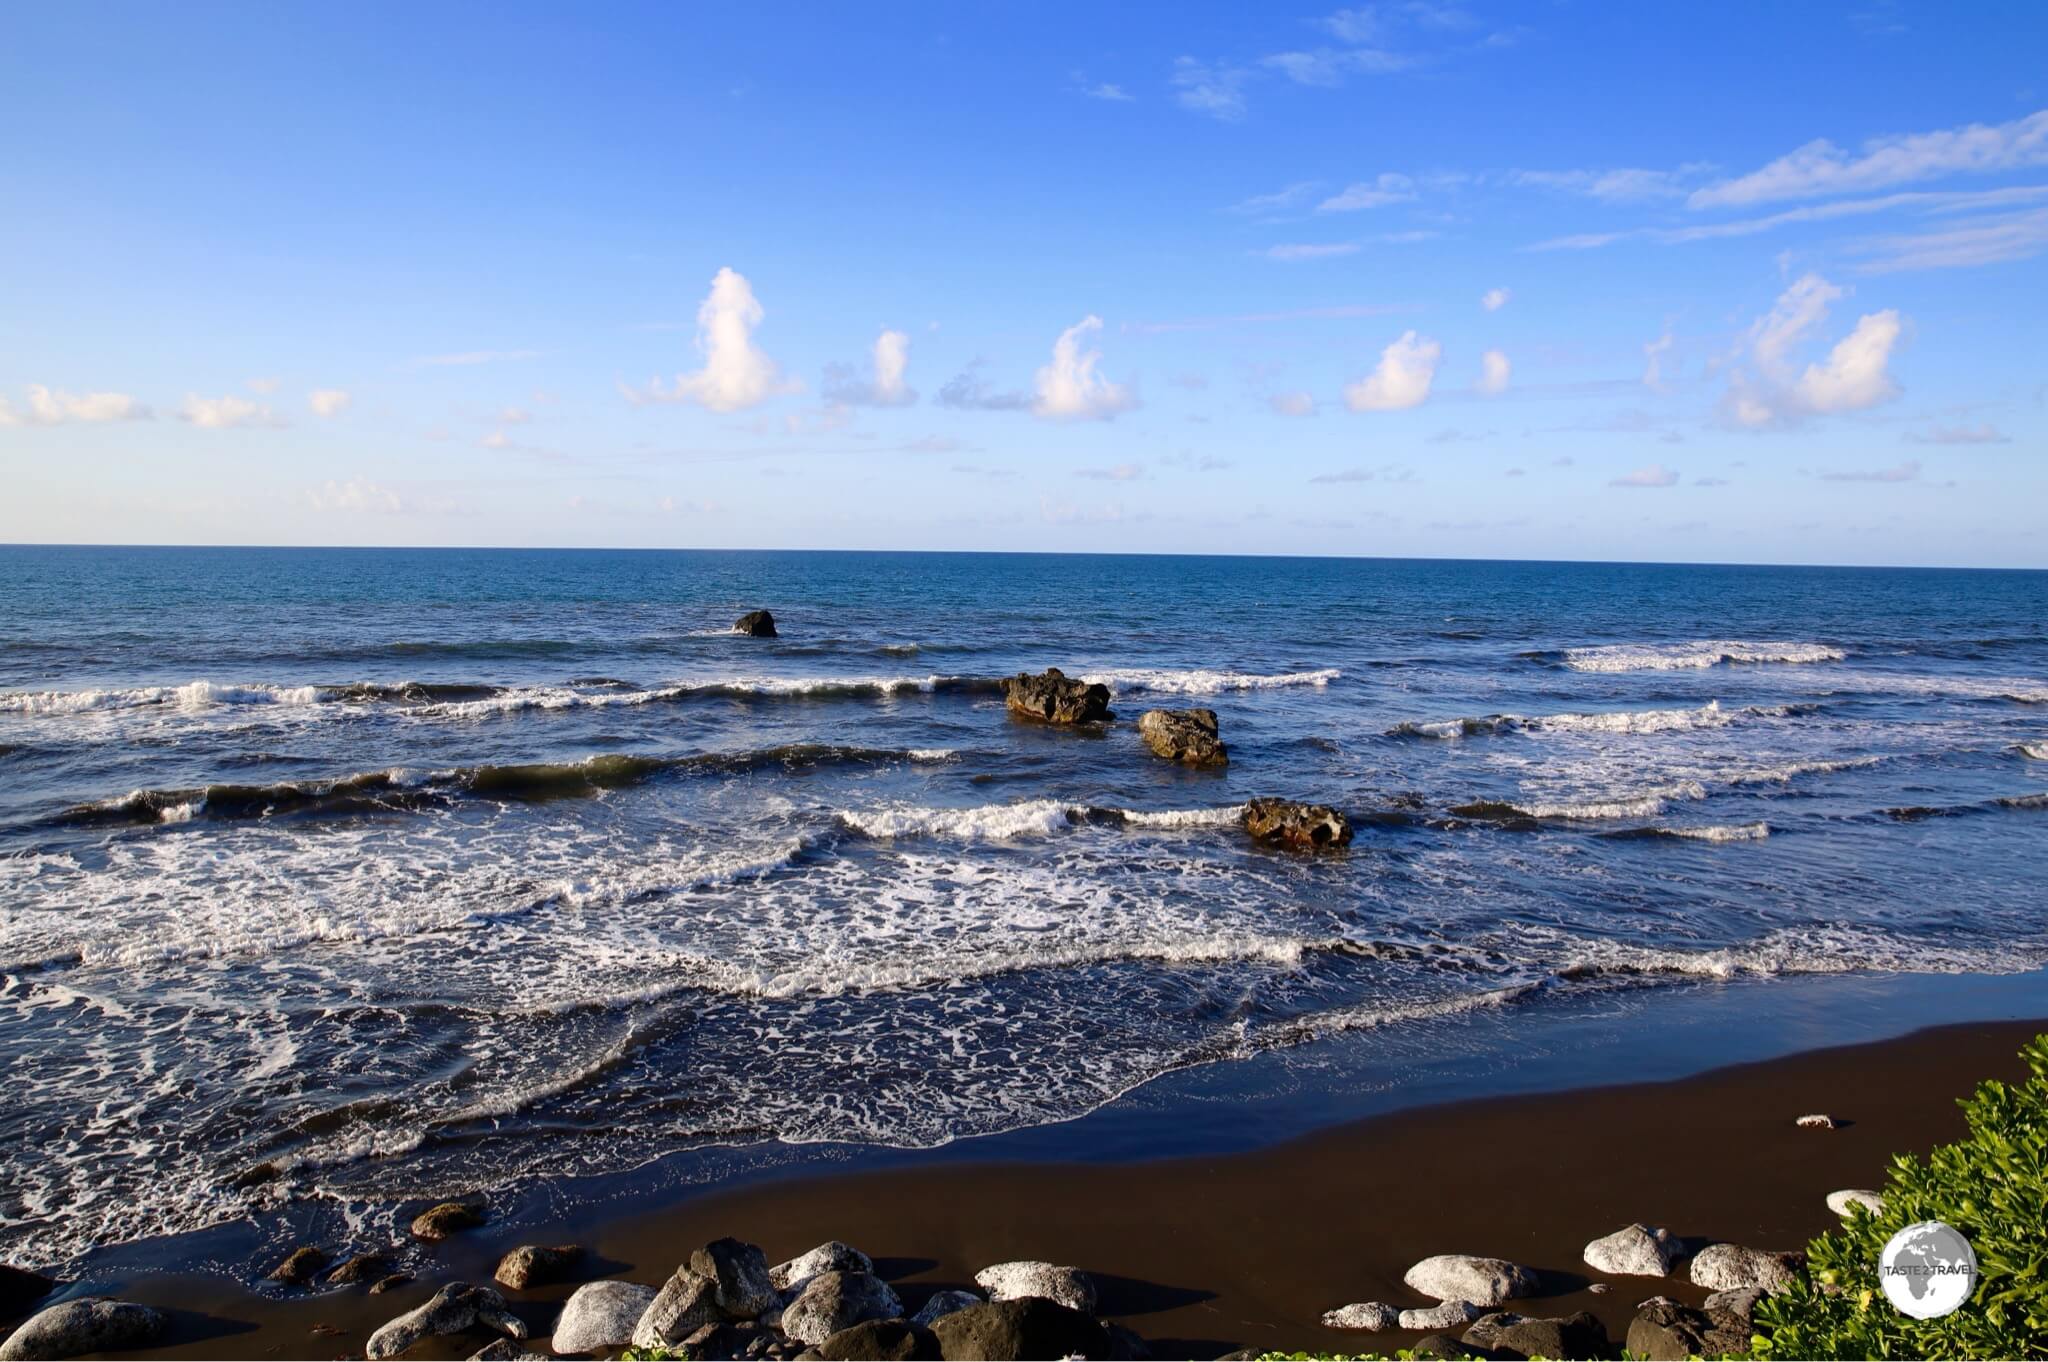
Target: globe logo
column 1928, row 1270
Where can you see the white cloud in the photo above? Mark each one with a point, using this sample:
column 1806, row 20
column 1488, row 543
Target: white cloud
column 497, row 439
column 1629, row 184
column 1377, row 193
column 1854, row 375
column 1069, row 389
column 1909, row 471
column 221, row 413
column 1123, row 472
column 1494, row 299
column 1821, row 168
column 1293, row 404
column 356, row 495
column 514, row 416
column 1981, row 241
column 1653, row 361
column 1327, row 67
column 887, row 388
column 328, row 401
column 1280, row 201
column 1402, row 378
column 737, row 373
column 50, row 407
column 1982, row 434
column 1294, row 252
column 1114, row 93
column 1495, row 370
column 1655, row 475
column 1214, row 90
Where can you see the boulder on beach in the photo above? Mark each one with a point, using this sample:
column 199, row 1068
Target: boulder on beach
column 504, row 1350
column 1666, row 1331
column 1447, row 1315
column 91, row 1324
column 739, row 1275
column 1371, row 1316
column 1009, row 1331
column 1183, row 735
column 830, row 1256
column 1462, row 1277
column 532, row 1265
column 1635, row 1251
column 1301, row 827
column 686, row 1302
column 450, row 1217
column 1741, row 1302
column 1442, row 1348
column 755, row 624
column 1842, row 1202
column 600, row 1315
column 942, row 1304
column 1729, row 1267
column 363, row 1267
column 880, row 1340
column 1069, row 1286
column 1577, row 1335
column 1055, row 698
column 838, row 1300
column 21, row 1288
column 299, row 1265
column 456, row 1308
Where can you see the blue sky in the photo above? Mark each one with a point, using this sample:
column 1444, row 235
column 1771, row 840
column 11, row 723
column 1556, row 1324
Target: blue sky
column 1743, row 282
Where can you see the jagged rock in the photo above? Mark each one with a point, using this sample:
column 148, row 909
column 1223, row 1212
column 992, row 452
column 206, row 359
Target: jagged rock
column 727, row 1340
column 363, row 1267
column 1448, row 1315
column 20, row 1288
column 1841, row 1202
column 1462, row 1277
column 739, row 1272
column 504, row 1350
column 391, row 1283
column 1184, row 735
column 445, row 1219
column 1816, row 1121
column 90, row 1324
column 1007, row 1331
column 600, row 1315
column 1055, row 698
column 1636, row 1251
column 1015, row 1281
column 831, row 1256
column 532, row 1265
column 884, row 1340
column 1727, row 1267
column 1740, row 1303
column 755, row 624
column 838, row 1300
column 1124, row 1344
column 455, row 1308
column 299, row 1265
column 686, row 1303
column 1665, row 1331
column 1302, row 827
column 1578, row 1335
column 1371, row 1316
column 942, row 1304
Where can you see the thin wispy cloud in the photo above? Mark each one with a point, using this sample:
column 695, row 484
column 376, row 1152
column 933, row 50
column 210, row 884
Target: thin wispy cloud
column 327, row 402
column 1909, row 471
column 46, row 406
column 1981, row 434
column 1215, row 90
column 463, row 358
column 225, row 413
column 1653, row 475
column 1821, row 168
column 1295, row 252
column 1981, row 241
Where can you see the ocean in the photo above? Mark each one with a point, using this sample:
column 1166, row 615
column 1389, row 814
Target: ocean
column 331, row 879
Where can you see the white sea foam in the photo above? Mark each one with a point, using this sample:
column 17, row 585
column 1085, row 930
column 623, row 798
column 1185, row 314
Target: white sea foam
column 1029, row 818
column 1636, row 657
column 1793, row 770
column 1164, row 681
column 1625, row 721
column 1629, row 806
column 2038, row 751
column 192, row 695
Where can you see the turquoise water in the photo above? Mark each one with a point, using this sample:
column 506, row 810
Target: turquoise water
column 329, row 878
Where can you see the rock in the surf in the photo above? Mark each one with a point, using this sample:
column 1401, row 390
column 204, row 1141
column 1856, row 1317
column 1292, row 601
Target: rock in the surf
column 299, row 1265
column 1666, row 1331
column 1371, row 1316
column 363, row 1267
column 1183, row 735
column 1448, row 1315
column 1005, row 1331
column 1729, row 1267
column 838, row 1300
column 532, row 1265
column 755, row 624
column 1462, row 1277
column 1816, row 1121
column 20, row 1288
column 830, row 1256
column 600, row 1315
column 1578, row 1335
column 1301, row 827
column 391, row 1282
column 686, row 1303
column 1846, row 1200
column 739, row 1274
column 942, row 1304
column 450, row 1217
column 456, row 1308
column 1053, row 697
column 1635, row 1251
column 879, row 1340
column 1017, row 1281
column 91, row 1324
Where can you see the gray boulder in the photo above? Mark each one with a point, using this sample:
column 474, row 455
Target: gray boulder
column 1055, row 698
column 1730, row 1267
column 942, row 1304
column 456, row 1308
column 832, row 1301
column 1665, row 1331
column 505, row 1350
column 1448, row 1315
column 1297, row 826
column 1008, row 1331
column 755, row 624
column 600, row 1315
column 1635, row 1251
column 739, row 1274
column 91, row 1324
column 532, row 1265
column 1016, row 1281
column 686, row 1303
column 1740, row 1303
column 830, row 1256
column 1462, row 1277
column 1371, row 1316
column 1578, row 1335
column 1183, row 735
column 880, row 1340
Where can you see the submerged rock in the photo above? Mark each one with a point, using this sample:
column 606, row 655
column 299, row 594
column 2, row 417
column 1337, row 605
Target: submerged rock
column 739, row 1275
column 1016, row 1281
column 686, row 1303
column 882, row 1340
column 20, row 1288
column 600, row 1315
column 1729, row 1267
column 364, row 1267
column 299, row 1265
column 1372, row 1316
column 450, row 1217
column 391, row 1283
column 91, row 1324
column 532, row 1265
column 1635, row 1251
column 830, row 1256
column 1007, row 1331
column 942, row 1304
column 1302, row 827
column 1665, row 1331
column 1842, row 1202
column 1184, row 735
column 454, row 1309
column 1055, row 698
column 1448, row 1315
column 1578, row 1335
column 838, row 1300
column 1462, row 1277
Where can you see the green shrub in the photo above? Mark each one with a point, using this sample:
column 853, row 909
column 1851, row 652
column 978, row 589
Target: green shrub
column 1993, row 1187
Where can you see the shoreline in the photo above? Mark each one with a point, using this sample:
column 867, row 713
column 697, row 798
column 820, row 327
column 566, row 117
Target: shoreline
column 1202, row 1254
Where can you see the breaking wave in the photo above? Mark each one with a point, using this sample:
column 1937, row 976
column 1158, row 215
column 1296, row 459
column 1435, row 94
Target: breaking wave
column 1709, row 715
column 1659, row 657
column 1030, row 818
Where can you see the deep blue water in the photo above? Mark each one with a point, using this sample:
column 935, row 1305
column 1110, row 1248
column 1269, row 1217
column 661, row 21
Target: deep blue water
column 344, row 876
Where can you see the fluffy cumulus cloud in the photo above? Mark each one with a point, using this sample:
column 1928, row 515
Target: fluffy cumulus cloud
column 886, row 388
column 1494, row 299
column 46, row 406
column 737, row 373
column 223, row 413
column 1772, row 390
column 1821, row 168
column 1069, row 388
column 1494, row 370
column 1401, row 379
column 1655, row 475
column 328, row 401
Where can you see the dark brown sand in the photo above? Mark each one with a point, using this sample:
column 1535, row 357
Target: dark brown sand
column 1204, row 1255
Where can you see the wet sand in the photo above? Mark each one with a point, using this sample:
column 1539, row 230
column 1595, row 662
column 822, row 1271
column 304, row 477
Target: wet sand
column 1201, row 1255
